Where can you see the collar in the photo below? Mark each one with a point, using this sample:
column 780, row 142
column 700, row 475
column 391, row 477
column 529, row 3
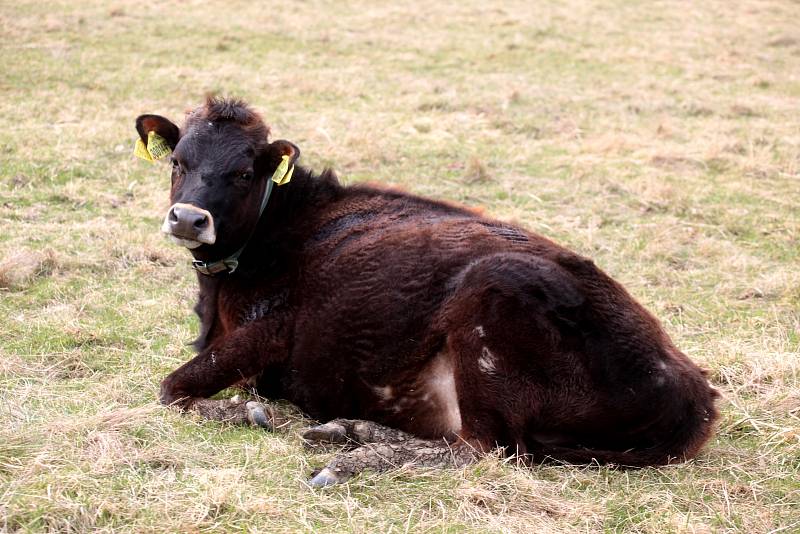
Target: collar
column 230, row 263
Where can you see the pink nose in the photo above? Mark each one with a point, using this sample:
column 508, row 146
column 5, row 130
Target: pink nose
column 187, row 223
column 190, row 223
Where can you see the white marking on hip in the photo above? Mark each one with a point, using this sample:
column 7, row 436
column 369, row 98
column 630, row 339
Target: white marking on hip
column 487, row 361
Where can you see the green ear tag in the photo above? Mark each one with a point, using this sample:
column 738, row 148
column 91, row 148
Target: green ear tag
column 157, row 145
column 283, row 173
column 140, row 151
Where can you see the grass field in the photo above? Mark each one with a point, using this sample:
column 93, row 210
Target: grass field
column 660, row 138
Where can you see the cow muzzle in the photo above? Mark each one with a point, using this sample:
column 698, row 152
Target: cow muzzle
column 189, row 226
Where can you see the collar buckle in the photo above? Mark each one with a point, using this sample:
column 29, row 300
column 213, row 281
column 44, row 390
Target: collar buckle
column 228, row 265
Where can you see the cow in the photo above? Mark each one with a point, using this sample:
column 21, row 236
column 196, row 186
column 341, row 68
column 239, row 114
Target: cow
column 415, row 330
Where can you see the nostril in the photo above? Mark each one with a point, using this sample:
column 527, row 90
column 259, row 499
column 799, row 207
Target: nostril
column 173, row 217
column 201, row 221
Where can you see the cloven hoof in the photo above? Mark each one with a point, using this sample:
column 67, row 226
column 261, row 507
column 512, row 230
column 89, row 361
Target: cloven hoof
column 327, row 477
column 326, row 433
column 258, row 415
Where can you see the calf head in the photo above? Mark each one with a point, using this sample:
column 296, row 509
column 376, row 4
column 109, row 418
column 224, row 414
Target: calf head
column 222, row 163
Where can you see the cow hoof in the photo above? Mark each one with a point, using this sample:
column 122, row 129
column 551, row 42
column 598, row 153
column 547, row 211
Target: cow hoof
column 259, row 415
column 327, row 433
column 327, row 477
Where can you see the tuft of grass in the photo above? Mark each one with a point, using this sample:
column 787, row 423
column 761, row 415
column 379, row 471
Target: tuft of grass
column 661, row 139
column 20, row 267
column 475, row 171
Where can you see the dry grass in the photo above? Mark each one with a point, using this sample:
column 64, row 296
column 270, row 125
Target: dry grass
column 660, row 138
column 22, row 266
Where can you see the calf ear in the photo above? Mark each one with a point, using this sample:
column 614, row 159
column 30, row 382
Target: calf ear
column 163, row 127
column 277, row 149
column 279, row 159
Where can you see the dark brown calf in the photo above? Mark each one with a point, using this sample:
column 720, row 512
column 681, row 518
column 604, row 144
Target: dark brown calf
column 423, row 332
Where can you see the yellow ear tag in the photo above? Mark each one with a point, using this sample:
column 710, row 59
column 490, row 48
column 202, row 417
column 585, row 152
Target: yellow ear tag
column 140, row 151
column 157, row 145
column 283, row 173
column 287, row 176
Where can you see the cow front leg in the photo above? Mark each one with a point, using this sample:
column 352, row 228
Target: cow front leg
column 238, row 412
column 228, row 361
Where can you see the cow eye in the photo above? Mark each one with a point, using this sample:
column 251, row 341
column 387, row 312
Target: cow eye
column 247, row 175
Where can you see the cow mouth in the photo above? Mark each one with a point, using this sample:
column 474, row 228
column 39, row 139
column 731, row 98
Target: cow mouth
column 184, row 241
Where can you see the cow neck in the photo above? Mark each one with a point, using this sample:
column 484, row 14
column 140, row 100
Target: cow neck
column 207, row 309
column 229, row 264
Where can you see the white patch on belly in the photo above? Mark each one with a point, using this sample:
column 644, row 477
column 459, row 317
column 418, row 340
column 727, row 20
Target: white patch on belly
column 486, row 361
column 441, row 384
